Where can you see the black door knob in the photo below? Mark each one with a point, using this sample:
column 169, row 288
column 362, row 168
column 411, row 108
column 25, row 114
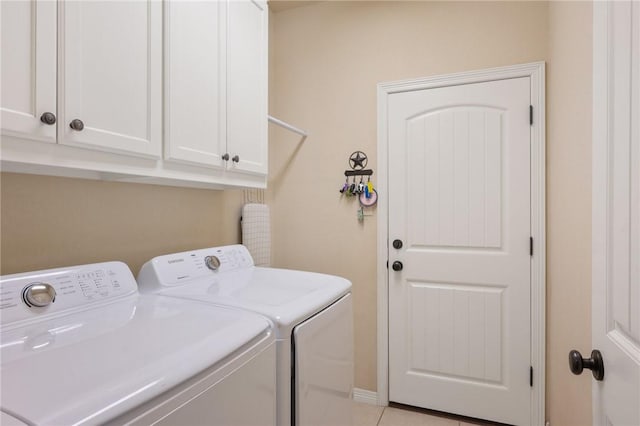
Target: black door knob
column 397, row 244
column 595, row 363
column 236, row 159
column 48, row 118
column 397, row 265
column 76, row 124
column 225, row 157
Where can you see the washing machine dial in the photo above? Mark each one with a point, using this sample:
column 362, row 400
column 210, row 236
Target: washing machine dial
column 39, row 294
column 212, row 262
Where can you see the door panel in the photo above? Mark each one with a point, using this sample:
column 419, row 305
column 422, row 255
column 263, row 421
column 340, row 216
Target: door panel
column 28, row 34
column 111, row 68
column 616, row 211
column 247, row 85
column 459, row 195
column 456, row 155
column 195, row 82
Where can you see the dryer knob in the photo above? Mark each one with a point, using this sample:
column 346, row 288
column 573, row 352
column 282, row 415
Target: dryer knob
column 39, row 294
column 212, row 262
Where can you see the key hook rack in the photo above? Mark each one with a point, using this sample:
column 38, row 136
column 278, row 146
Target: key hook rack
column 364, row 191
column 363, row 172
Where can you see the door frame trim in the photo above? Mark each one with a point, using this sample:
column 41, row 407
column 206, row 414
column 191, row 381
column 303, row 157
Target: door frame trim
column 536, row 72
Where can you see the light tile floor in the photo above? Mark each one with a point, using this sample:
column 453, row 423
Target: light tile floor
column 372, row 415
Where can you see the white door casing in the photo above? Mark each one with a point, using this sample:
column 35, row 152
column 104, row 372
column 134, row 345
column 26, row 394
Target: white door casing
column 110, row 68
column 616, row 211
column 464, row 194
column 28, row 68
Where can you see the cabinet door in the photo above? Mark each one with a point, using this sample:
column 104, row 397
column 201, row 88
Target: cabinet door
column 28, row 51
column 111, row 70
column 194, row 82
column 247, row 85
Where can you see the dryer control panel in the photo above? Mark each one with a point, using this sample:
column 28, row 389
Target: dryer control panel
column 173, row 269
column 33, row 294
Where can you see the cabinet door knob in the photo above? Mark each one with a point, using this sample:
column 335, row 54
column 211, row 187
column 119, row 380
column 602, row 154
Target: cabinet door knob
column 225, row 157
column 236, row 159
column 76, row 124
column 48, row 118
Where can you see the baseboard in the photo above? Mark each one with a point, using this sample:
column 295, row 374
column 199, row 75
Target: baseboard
column 365, row 396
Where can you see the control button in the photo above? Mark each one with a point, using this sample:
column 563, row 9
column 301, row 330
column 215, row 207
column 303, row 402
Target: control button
column 39, row 294
column 212, row 262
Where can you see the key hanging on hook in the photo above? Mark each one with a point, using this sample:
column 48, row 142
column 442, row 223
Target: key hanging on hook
column 352, row 188
column 361, row 185
column 345, row 186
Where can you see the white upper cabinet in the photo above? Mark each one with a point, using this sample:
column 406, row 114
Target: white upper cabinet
column 216, row 84
column 28, row 51
column 195, row 128
column 167, row 92
column 111, row 76
column 247, row 85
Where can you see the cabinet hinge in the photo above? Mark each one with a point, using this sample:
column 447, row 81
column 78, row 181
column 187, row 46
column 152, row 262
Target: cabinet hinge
column 531, row 376
column 531, row 115
column 530, row 246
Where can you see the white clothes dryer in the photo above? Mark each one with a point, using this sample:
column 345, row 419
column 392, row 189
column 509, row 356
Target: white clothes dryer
column 312, row 313
column 80, row 345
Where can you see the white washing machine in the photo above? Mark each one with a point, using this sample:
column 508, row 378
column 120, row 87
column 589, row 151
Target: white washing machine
column 312, row 314
column 80, row 345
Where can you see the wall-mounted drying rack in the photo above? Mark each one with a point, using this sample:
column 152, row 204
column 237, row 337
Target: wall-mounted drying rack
column 288, row 127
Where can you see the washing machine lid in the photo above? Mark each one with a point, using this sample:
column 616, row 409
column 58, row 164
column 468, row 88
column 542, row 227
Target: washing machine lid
column 7, row 420
column 287, row 297
column 82, row 364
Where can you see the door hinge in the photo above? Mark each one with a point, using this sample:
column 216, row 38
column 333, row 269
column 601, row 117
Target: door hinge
column 531, row 115
column 530, row 246
column 531, row 376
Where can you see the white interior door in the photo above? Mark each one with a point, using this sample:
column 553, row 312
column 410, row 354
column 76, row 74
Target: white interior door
column 111, row 70
column 28, row 50
column 459, row 200
column 616, row 211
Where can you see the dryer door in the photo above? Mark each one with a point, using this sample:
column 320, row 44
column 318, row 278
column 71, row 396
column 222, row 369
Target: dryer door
column 324, row 366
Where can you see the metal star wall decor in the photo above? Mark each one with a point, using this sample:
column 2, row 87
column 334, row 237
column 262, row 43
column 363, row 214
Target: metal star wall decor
column 358, row 160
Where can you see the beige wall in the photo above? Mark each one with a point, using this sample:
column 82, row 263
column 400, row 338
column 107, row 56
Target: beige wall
column 568, row 209
column 50, row 222
column 328, row 58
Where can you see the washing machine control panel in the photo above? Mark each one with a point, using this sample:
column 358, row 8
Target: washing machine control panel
column 33, row 294
column 173, row 269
